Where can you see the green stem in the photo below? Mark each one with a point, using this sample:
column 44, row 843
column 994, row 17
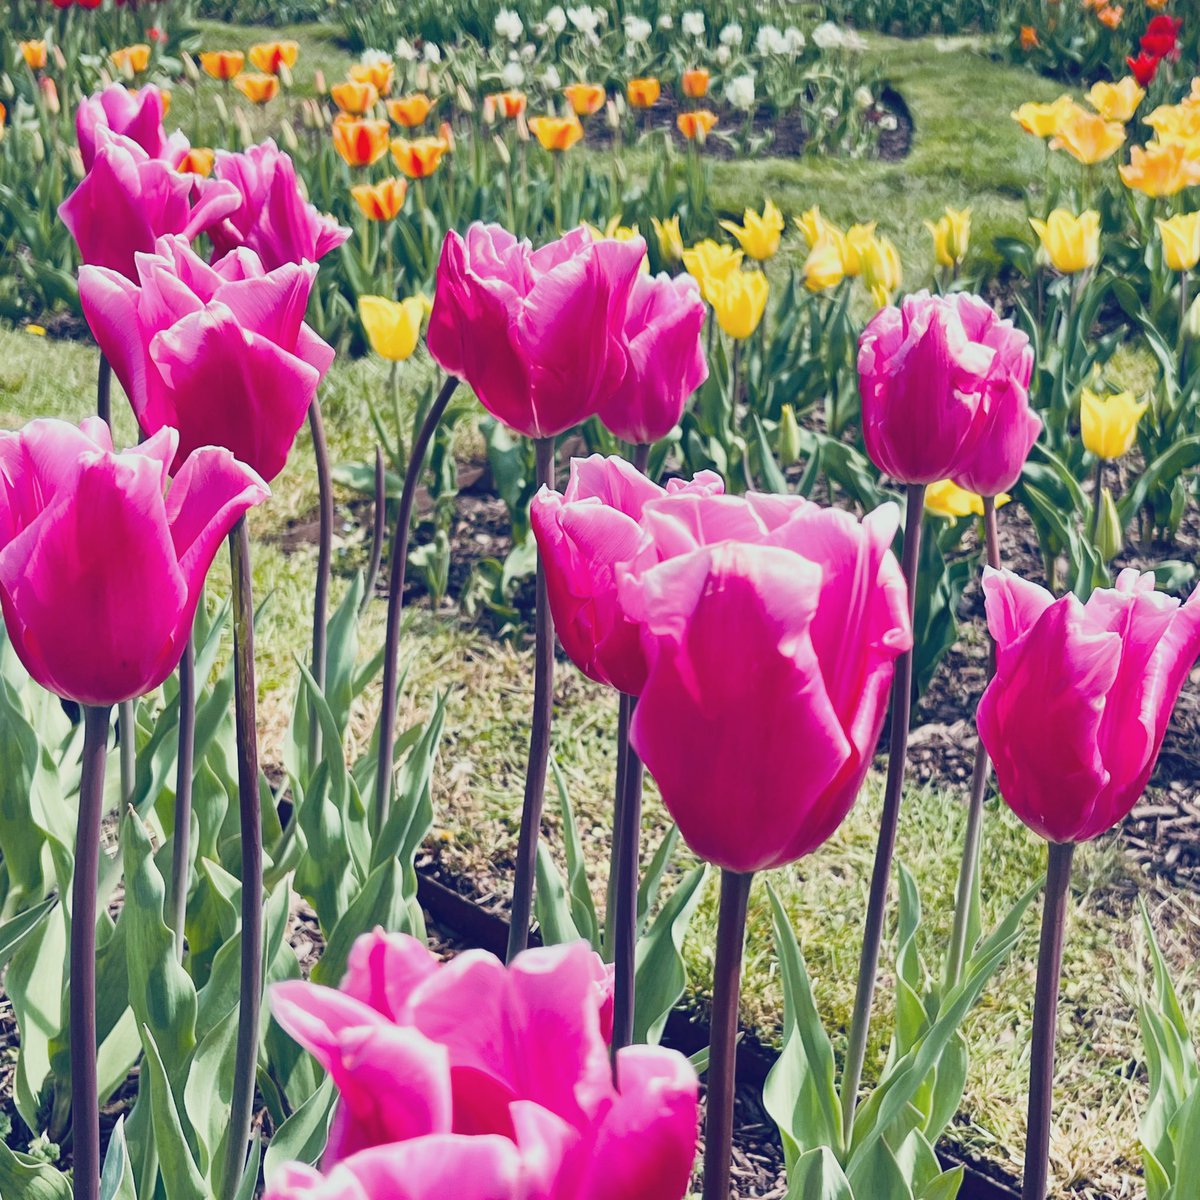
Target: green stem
column 1097, row 495
column 379, row 528
column 180, row 849
column 319, row 660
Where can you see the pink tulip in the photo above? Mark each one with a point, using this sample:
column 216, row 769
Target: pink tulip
column 666, row 358
column 1075, row 716
column 220, row 353
column 100, row 572
column 136, row 115
column 539, row 334
column 770, row 639
column 926, row 373
column 128, row 200
column 582, row 536
column 511, row 1057
column 272, row 218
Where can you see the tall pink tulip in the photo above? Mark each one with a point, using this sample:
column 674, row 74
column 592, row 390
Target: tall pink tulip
column 539, row 334
column 220, row 353
column 128, row 200
column 666, row 358
column 136, row 115
column 272, row 217
column 583, row 534
column 100, row 564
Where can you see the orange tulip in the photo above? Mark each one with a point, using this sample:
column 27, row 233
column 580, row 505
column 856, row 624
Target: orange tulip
column 696, row 126
column 1029, row 38
column 380, row 201
column 222, row 64
column 446, row 133
column 49, row 90
column 409, row 111
column 695, row 83
column 1160, row 169
column 585, row 98
column 268, row 57
column 643, row 93
column 556, row 133
column 361, row 141
column 197, row 161
column 418, row 159
column 258, row 89
column 34, row 54
column 378, row 74
column 1110, row 16
column 131, row 60
column 354, row 98
column 508, row 104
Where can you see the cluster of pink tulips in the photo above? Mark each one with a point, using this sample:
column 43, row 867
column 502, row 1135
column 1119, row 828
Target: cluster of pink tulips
column 753, row 640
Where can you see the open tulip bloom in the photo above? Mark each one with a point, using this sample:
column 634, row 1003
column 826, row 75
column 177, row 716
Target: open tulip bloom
column 136, row 115
column 1074, row 720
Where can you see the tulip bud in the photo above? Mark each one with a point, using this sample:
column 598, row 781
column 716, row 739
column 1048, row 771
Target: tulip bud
column 502, row 150
column 49, row 91
column 1110, row 537
column 76, row 161
column 319, row 85
column 612, row 118
column 421, row 77
column 243, row 127
column 222, row 111
column 39, row 147
column 60, row 60
column 1191, row 322
column 190, row 70
column 463, row 99
column 285, row 75
column 522, row 128
column 287, row 135
column 788, row 436
column 7, row 87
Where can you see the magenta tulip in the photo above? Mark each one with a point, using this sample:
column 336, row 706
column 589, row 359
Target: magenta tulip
column 666, row 358
column 272, row 217
column 513, row 1058
column 136, row 115
column 582, row 535
column 128, row 200
column 1075, row 716
column 220, row 353
column 927, row 371
column 539, row 334
column 770, row 640
column 101, row 566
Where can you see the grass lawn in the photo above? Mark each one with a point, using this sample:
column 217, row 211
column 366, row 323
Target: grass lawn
column 966, row 152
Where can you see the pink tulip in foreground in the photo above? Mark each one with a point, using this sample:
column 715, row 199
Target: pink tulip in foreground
column 511, row 1061
column 101, row 565
column 539, row 334
column 666, row 358
column 583, row 534
column 272, row 218
column 136, row 115
column 128, row 200
column 220, row 353
column 1076, row 714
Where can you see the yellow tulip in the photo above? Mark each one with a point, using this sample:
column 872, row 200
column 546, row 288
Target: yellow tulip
column 1181, row 240
column 1177, row 122
column 556, row 133
column 758, row 235
column 616, row 232
column 585, row 98
column 1042, row 120
column 1072, row 243
column 857, row 240
column 881, row 270
column 34, row 54
column 354, row 98
column 1109, row 423
column 711, row 263
column 643, row 93
column 222, row 64
column 1088, row 137
column 739, row 301
column 825, row 266
column 258, row 89
column 393, row 327
column 269, row 57
column 1160, row 169
column 670, row 240
column 813, row 226
column 951, row 236
column 409, row 111
column 1116, row 101
column 131, row 60
column 377, row 74
column 380, row 201
column 946, row 499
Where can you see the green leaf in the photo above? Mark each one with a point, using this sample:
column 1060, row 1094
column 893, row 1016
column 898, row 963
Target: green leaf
column 579, row 892
column 180, row 1177
column 209, row 1093
column 26, row 1179
column 816, row 1175
column 944, row 1187
column 553, row 909
column 302, row 1137
column 13, row 932
column 380, row 902
column 116, row 1180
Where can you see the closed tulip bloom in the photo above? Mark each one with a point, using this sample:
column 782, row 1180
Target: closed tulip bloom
column 813, row 225
column 1144, row 67
column 258, row 89
column 198, row 160
column 1160, row 169
column 360, row 141
column 710, row 263
column 779, row 606
column 951, row 236
column 1180, row 240
column 184, row 325
column 758, row 235
column 696, row 125
column 695, row 83
column 1043, row 120
column 1072, row 243
column 855, row 244
column 380, row 201
column 378, row 74
column 1075, row 716
column 1116, row 101
column 556, row 133
column 354, row 98
column 881, row 269
column 643, row 93
column 825, row 266
column 509, row 105
column 583, row 535
column 669, row 238
column 270, row 57
column 739, row 301
column 136, row 115
column 419, row 158
column 539, row 334
column 101, row 563
column 1108, row 424
column 585, row 99
column 222, row 64
column 946, row 499
column 131, row 60
column 34, row 54
column 410, row 111
column 1088, row 137
column 393, row 327
column 272, row 217
column 128, row 200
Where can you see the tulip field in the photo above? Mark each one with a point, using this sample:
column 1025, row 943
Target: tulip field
column 599, row 602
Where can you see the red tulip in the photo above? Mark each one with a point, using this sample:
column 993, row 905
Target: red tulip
column 100, row 571
column 220, row 353
column 1162, row 36
column 1076, row 713
column 135, row 115
column 1144, row 68
column 583, row 535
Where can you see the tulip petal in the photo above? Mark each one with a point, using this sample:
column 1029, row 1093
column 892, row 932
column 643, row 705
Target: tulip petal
column 384, row 968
